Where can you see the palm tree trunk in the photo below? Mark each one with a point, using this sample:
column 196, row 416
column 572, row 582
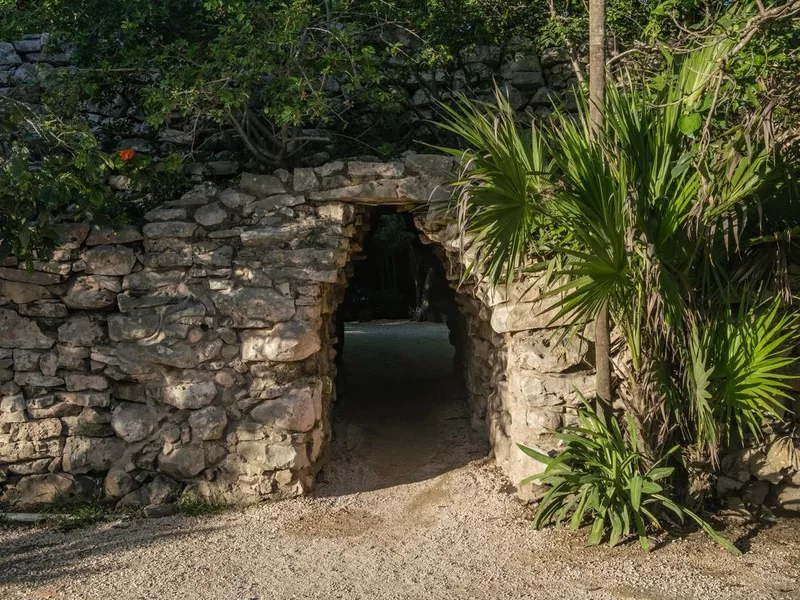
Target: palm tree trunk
column 597, row 95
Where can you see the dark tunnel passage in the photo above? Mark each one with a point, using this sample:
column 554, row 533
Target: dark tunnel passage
column 402, row 412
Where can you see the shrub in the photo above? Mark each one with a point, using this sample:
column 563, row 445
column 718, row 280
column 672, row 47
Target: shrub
column 601, row 476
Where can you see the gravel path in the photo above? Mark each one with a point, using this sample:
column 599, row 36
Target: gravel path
column 407, row 508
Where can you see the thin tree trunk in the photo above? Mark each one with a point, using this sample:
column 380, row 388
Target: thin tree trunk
column 597, row 96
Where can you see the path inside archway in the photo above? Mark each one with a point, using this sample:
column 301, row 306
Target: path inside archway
column 402, row 415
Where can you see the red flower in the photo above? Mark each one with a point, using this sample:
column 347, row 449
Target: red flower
column 126, row 154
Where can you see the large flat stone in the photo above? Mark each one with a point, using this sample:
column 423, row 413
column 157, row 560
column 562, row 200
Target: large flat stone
column 190, row 394
column 36, row 277
column 381, row 191
column 23, row 293
column 180, row 355
column 252, row 306
column 109, row 260
column 123, row 234
column 91, row 454
column 286, row 342
column 170, row 229
column 261, row 185
column 19, row 332
column 297, row 410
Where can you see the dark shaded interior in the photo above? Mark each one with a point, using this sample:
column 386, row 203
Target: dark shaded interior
column 402, row 413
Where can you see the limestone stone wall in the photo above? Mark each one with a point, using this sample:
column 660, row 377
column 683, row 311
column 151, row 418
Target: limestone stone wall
column 531, row 80
column 197, row 353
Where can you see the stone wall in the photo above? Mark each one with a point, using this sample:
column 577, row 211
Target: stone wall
column 198, row 352
column 33, row 66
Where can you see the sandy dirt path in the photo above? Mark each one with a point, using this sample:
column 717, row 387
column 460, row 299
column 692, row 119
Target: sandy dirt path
column 408, row 508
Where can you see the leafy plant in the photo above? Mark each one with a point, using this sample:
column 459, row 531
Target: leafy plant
column 52, row 169
column 194, row 505
column 601, row 476
column 656, row 224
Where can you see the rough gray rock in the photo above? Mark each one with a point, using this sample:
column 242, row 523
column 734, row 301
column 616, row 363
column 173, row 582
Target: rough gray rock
column 191, row 395
column 208, row 423
column 109, row 260
column 183, row 462
column 286, row 342
column 134, row 422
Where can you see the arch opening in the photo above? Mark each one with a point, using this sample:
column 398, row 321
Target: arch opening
column 401, row 412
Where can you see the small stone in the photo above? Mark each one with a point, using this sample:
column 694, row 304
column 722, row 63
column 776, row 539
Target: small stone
column 118, row 483
column 123, row 234
column 305, row 180
column 211, row 214
column 49, row 364
column 92, row 292
column 81, row 330
column 297, row 410
column 286, row 342
column 161, row 489
column 11, row 404
column 222, row 167
column 8, row 55
column 198, row 196
column 208, row 423
column 109, row 260
column 184, row 462
column 158, row 511
column 78, row 382
column 170, row 229
column 190, row 395
column 259, row 208
column 26, row 360
column 129, row 327
column 329, row 169
column 71, row 235
column 234, row 198
column 261, row 185
column 134, row 422
column 73, row 358
column 96, row 399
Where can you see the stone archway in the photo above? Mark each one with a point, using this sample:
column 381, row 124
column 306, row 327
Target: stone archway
column 197, row 353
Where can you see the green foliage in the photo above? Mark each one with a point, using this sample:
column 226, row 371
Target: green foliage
column 68, row 516
column 193, row 505
column 53, row 169
column 656, row 223
column 601, row 476
column 737, row 371
column 506, row 185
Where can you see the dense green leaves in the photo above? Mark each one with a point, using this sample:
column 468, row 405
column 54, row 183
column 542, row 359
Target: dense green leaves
column 54, row 170
column 655, row 223
column 601, row 477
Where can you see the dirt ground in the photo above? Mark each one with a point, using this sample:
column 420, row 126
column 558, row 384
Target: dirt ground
column 408, row 507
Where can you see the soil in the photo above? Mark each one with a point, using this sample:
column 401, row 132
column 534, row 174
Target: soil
column 408, row 507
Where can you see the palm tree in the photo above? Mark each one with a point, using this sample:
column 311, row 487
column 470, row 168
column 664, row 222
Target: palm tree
column 652, row 226
column 597, row 96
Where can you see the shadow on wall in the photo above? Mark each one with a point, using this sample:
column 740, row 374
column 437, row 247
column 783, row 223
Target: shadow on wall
column 402, row 414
